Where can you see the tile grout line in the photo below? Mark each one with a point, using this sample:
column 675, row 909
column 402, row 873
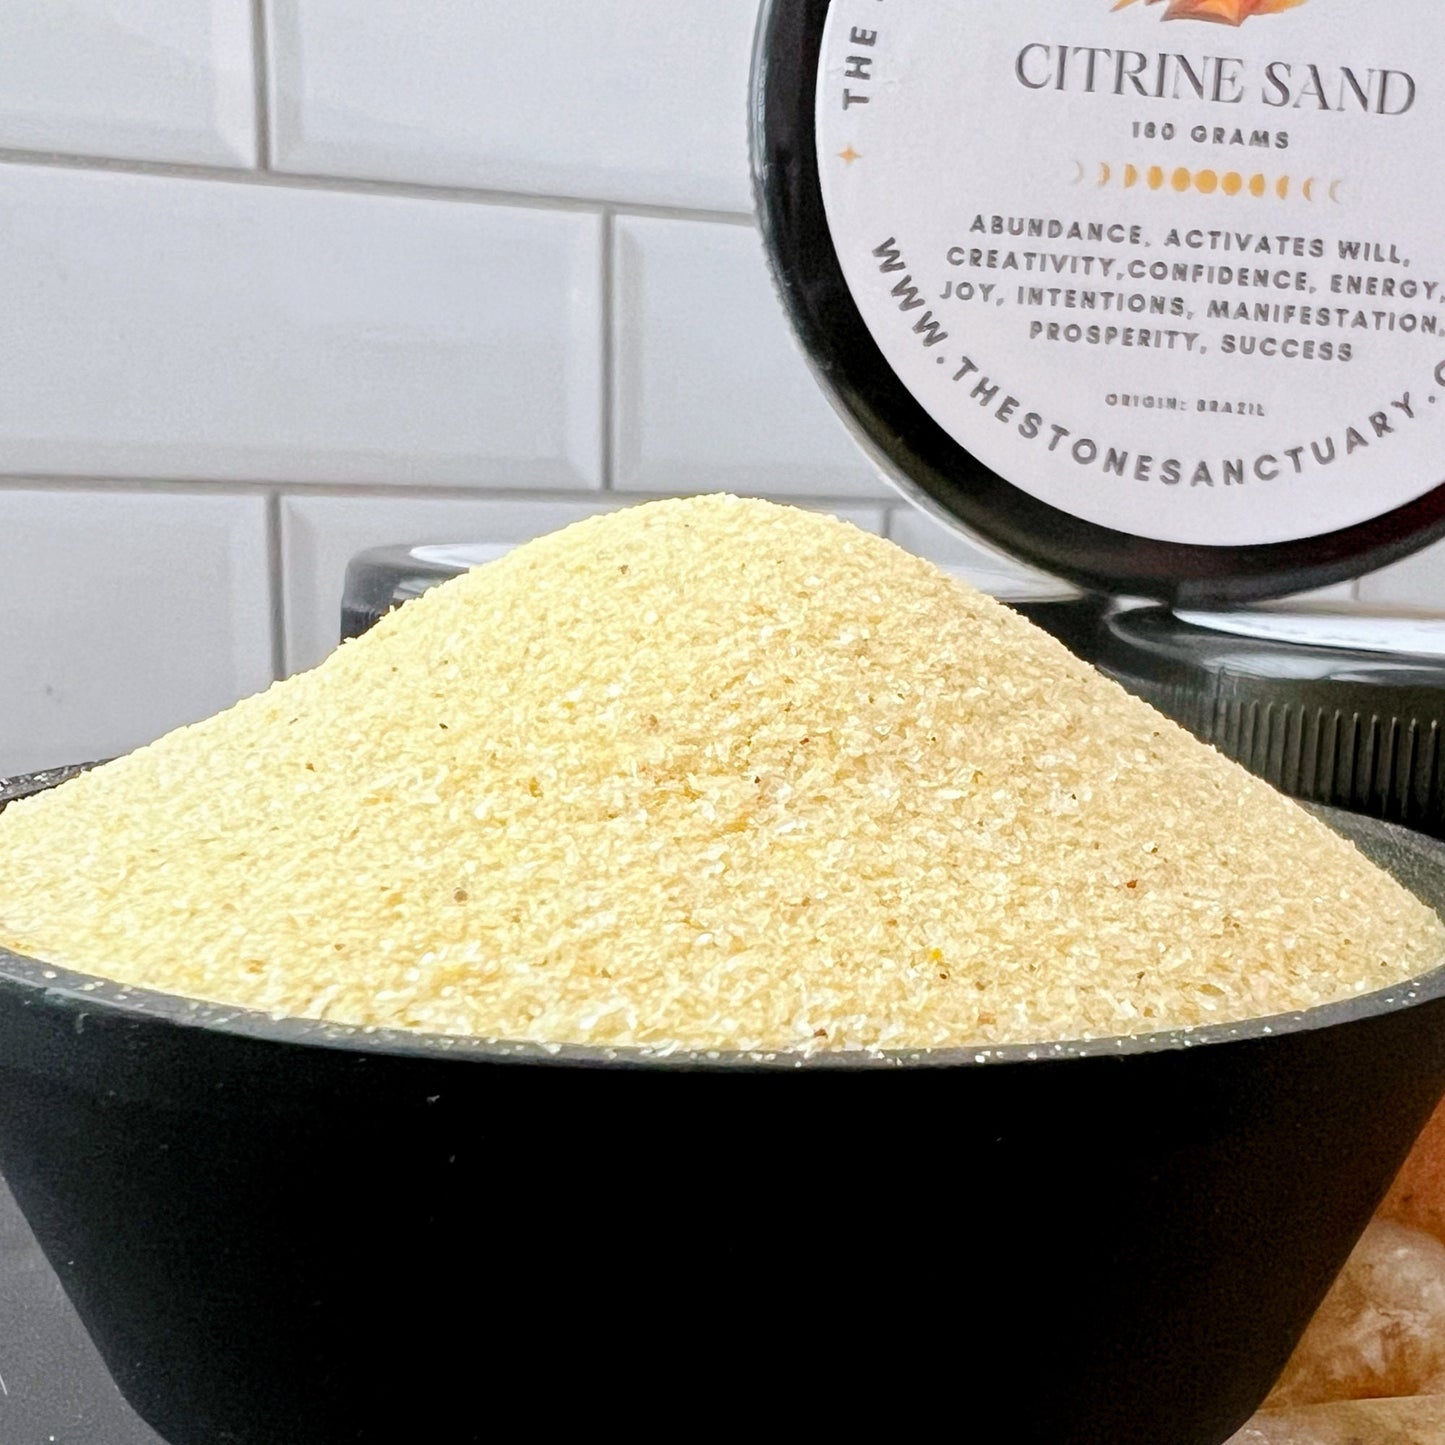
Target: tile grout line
column 401, row 491
column 361, row 186
column 260, row 59
column 608, row 374
column 276, row 560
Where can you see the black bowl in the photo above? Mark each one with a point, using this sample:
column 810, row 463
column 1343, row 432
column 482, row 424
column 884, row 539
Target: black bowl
column 290, row 1232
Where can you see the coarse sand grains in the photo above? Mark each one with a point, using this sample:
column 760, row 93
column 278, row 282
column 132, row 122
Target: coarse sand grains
column 706, row 774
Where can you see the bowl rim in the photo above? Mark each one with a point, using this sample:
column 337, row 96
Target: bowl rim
column 84, row 995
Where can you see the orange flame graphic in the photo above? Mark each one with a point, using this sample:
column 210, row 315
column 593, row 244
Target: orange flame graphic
column 1219, row 12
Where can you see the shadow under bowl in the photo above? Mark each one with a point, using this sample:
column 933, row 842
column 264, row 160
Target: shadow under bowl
column 281, row 1233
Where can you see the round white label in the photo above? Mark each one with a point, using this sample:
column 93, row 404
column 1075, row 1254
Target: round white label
column 1172, row 266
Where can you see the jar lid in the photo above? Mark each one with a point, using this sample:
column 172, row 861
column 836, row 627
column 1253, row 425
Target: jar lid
column 1329, row 707
column 1151, row 304
column 382, row 578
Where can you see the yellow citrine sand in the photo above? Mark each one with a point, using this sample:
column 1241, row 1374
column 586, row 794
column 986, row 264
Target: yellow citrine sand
column 709, row 774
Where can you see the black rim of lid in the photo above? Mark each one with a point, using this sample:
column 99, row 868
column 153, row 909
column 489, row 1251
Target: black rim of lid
column 380, row 579
column 1345, row 727
column 925, row 461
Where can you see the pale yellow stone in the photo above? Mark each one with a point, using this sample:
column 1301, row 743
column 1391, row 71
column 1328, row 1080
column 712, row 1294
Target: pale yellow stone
column 1418, row 1197
column 1381, row 1331
column 1418, row 1421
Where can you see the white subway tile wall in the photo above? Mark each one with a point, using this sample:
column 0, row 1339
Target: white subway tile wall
column 1416, row 584
column 284, row 280
column 711, row 391
column 924, row 534
column 638, row 101
column 124, row 614
column 147, row 80
column 201, row 329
